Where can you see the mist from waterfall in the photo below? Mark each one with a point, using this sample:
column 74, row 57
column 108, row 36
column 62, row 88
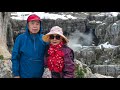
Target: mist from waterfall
column 78, row 40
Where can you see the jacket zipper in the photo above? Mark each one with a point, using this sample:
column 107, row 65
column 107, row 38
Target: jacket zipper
column 34, row 43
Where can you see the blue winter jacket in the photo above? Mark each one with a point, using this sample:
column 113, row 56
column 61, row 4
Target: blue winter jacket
column 28, row 55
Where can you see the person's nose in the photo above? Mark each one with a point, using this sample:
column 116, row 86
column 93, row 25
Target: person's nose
column 54, row 37
column 35, row 25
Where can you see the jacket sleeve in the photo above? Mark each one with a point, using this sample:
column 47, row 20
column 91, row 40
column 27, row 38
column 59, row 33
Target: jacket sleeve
column 46, row 56
column 16, row 57
column 69, row 66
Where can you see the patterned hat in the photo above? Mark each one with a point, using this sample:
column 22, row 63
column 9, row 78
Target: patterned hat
column 54, row 30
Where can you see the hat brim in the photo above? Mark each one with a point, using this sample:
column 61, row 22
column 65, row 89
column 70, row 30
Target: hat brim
column 46, row 37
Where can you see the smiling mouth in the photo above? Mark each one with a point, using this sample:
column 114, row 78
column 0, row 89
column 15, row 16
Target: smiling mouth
column 54, row 42
column 34, row 29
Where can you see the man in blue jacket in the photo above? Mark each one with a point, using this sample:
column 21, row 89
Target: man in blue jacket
column 28, row 51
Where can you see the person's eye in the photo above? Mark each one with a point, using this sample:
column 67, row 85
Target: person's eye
column 37, row 24
column 32, row 22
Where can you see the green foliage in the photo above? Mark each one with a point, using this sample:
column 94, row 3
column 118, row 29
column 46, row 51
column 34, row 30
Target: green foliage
column 80, row 72
column 1, row 57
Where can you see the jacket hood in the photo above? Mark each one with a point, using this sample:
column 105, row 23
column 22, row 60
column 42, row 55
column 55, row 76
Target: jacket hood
column 27, row 30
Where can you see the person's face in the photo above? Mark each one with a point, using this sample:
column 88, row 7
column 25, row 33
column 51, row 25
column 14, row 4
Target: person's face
column 55, row 39
column 34, row 26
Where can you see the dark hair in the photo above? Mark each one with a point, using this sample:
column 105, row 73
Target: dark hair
column 64, row 41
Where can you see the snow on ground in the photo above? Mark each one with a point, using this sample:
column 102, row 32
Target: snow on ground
column 43, row 15
column 114, row 13
column 108, row 14
column 76, row 47
column 106, row 45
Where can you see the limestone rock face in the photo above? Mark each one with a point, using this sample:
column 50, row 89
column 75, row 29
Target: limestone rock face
column 6, row 54
column 5, row 69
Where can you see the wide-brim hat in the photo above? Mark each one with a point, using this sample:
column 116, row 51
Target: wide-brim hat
column 54, row 30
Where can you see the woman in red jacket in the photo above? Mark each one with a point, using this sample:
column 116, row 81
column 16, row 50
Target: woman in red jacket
column 59, row 57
